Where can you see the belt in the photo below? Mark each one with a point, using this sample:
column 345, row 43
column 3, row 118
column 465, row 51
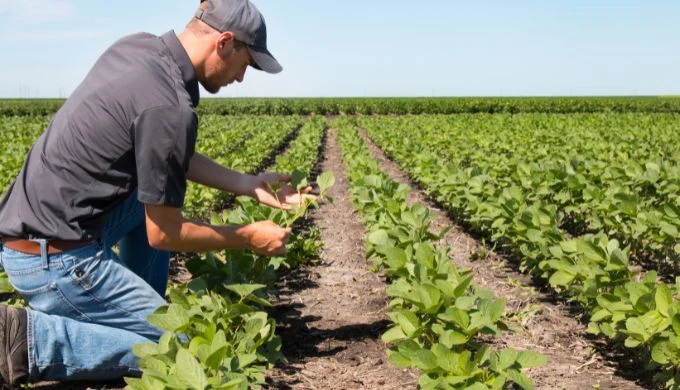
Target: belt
column 53, row 247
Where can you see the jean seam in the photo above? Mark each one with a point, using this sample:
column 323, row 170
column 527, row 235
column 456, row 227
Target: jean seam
column 33, row 270
column 33, row 370
column 62, row 364
column 36, row 291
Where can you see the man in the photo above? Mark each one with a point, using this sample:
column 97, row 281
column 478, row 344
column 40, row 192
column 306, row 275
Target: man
column 112, row 168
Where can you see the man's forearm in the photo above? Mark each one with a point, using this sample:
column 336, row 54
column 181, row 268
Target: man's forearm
column 168, row 230
column 197, row 237
column 203, row 170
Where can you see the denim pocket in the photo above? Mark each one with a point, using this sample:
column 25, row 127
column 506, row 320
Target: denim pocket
column 29, row 284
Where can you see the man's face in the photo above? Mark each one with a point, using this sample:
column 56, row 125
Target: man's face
column 227, row 64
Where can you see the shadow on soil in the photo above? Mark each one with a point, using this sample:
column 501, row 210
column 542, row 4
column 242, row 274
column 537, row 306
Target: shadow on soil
column 80, row 385
column 304, row 342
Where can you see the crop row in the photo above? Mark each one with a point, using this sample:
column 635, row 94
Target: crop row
column 17, row 134
column 440, row 318
column 379, row 105
column 218, row 335
column 630, row 308
column 242, row 143
column 614, row 173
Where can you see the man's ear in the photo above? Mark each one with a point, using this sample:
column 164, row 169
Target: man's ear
column 225, row 40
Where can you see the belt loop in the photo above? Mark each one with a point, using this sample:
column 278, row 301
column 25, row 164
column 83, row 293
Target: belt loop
column 44, row 255
column 43, row 252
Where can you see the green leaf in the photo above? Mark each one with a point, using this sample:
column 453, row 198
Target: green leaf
column 632, row 343
column 244, row 290
column 424, row 359
column 446, row 359
column 462, row 286
column 457, row 316
column 663, row 300
column 145, row 349
column 556, row 251
column 600, row 315
column 378, row 238
column 522, row 380
column 138, row 383
column 637, row 332
column 528, row 359
column 179, row 297
column 244, row 360
column 393, row 334
column 429, row 296
column 325, row 181
column 669, row 229
column 451, row 337
column 5, row 285
column 661, row 352
column 495, row 309
column 425, row 255
column 174, row 319
column 534, row 235
column 591, row 251
column 216, row 357
column 561, row 278
column 627, row 203
column 395, row 257
column 399, row 359
column 676, row 324
column 298, row 180
column 190, row 371
column 569, row 246
column 593, row 328
column 507, row 357
column 408, row 321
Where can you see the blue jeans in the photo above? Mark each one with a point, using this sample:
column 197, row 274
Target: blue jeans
column 88, row 306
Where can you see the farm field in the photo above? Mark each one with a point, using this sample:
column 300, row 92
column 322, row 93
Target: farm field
column 466, row 243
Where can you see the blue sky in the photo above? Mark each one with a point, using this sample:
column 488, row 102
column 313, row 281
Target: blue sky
column 376, row 48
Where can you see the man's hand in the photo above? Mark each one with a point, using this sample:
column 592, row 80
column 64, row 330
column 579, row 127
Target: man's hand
column 265, row 183
column 265, row 238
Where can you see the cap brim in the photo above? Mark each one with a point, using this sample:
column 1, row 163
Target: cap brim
column 264, row 60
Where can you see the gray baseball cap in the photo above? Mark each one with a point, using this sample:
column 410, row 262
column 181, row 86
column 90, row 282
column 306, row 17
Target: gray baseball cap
column 247, row 23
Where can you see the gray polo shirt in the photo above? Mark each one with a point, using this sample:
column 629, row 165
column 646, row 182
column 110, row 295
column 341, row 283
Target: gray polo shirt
column 130, row 124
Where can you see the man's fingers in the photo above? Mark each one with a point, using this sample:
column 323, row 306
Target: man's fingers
column 307, row 190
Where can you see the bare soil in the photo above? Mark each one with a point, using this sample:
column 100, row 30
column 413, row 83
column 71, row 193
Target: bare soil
column 331, row 316
column 548, row 327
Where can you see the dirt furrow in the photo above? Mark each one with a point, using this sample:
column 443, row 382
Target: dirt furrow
column 548, row 327
column 331, row 316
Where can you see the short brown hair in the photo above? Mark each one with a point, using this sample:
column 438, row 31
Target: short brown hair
column 197, row 25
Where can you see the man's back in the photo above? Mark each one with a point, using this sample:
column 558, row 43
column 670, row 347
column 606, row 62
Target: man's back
column 85, row 163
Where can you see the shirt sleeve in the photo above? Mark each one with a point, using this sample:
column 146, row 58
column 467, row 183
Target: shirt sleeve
column 164, row 141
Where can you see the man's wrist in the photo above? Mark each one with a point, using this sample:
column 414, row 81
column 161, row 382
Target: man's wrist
column 250, row 184
column 241, row 235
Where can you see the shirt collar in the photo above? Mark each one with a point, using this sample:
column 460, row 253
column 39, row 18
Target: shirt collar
column 179, row 54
